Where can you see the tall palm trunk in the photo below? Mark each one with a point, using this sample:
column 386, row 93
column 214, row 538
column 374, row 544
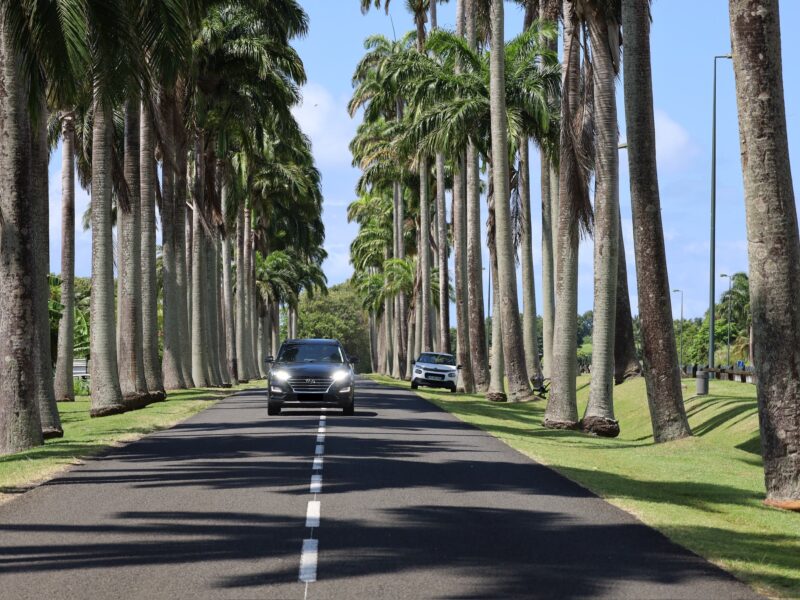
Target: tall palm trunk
column 626, row 363
column 444, row 276
column 182, row 273
column 276, row 328
column 212, row 309
column 247, row 321
column 426, row 341
column 496, row 391
column 549, row 11
column 599, row 415
column 398, row 333
column 20, row 423
column 48, row 409
column 530, row 334
column 477, row 325
column 63, row 383
column 147, row 174
column 105, row 388
column 519, row 388
column 662, row 376
column 200, row 330
column 773, row 245
column 227, row 286
column 171, row 363
column 241, row 345
column 562, row 409
column 465, row 375
column 412, row 330
column 129, row 298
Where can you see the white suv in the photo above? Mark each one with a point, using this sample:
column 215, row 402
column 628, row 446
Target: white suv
column 434, row 369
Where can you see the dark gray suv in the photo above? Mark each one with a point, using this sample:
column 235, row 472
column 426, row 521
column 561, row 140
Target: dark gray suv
column 312, row 373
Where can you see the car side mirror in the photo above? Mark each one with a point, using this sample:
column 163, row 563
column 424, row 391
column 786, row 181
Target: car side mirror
column 459, row 367
column 353, row 360
column 269, row 359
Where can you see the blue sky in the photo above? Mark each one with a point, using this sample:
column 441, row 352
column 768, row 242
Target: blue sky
column 685, row 36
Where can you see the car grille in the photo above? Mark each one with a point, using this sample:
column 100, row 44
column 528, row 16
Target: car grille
column 310, row 385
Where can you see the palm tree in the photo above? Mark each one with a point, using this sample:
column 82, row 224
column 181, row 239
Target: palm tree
column 20, row 424
column 604, row 31
column 574, row 215
column 508, row 311
column 771, row 231
column 626, row 362
column 664, row 396
column 63, row 383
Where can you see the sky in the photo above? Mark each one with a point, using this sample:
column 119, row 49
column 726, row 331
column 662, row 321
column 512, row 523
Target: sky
column 686, row 34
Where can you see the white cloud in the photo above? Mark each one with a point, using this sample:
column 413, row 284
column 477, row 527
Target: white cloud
column 675, row 148
column 324, row 119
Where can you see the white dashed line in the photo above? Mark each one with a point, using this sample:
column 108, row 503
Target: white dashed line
column 310, row 552
column 312, row 514
column 308, row 561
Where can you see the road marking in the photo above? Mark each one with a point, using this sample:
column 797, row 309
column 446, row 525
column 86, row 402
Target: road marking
column 317, row 466
column 316, row 484
column 321, row 429
column 312, row 514
column 308, row 561
column 321, row 438
column 320, row 450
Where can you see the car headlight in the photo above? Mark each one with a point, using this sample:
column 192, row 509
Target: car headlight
column 417, row 372
column 340, row 375
column 451, row 375
column 281, row 375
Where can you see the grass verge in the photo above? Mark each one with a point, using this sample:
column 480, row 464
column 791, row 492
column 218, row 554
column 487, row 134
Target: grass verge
column 85, row 437
column 704, row 493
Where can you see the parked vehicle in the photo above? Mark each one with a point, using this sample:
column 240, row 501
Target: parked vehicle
column 435, row 369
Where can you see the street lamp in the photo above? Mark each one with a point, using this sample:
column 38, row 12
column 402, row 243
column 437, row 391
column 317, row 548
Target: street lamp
column 681, row 328
column 730, row 295
column 712, row 267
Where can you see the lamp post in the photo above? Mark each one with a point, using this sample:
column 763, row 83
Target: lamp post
column 712, row 267
column 681, row 327
column 730, row 295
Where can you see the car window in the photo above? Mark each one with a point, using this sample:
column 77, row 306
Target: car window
column 437, row 359
column 327, row 353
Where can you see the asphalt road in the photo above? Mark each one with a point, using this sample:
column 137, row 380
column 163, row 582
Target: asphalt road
column 405, row 502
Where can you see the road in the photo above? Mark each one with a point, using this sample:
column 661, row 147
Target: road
column 401, row 500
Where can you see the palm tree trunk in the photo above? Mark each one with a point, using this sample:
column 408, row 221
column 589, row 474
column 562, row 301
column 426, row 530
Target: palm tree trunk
column 412, row 330
column 373, row 339
column 147, row 174
column 426, row 341
column 247, row 330
column 106, row 393
column 773, row 243
column 549, row 12
column 530, row 333
column 181, row 267
column 466, row 378
column 63, row 383
column 212, row 278
column 129, row 228
column 496, row 391
column 227, row 286
column 599, row 415
column 241, row 347
column 252, row 310
column 276, row 328
column 444, row 276
column 662, row 376
column 171, row 362
column 626, row 363
column 389, row 350
column 562, row 409
column 519, row 388
column 477, row 325
column 200, row 374
column 20, row 423
column 401, row 310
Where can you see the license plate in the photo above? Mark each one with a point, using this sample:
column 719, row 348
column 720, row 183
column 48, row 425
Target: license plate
column 438, row 377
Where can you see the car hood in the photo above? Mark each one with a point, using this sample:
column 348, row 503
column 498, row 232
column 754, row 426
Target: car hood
column 436, row 368
column 310, row 369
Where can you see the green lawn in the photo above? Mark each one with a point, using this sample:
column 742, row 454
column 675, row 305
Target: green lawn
column 84, row 436
column 705, row 492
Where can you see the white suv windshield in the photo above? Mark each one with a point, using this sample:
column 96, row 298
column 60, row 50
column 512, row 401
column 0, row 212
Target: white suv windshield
column 327, row 353
column 437, row 359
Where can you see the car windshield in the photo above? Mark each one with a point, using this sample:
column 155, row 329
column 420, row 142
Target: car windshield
column 437, row 359
column 327, row 353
